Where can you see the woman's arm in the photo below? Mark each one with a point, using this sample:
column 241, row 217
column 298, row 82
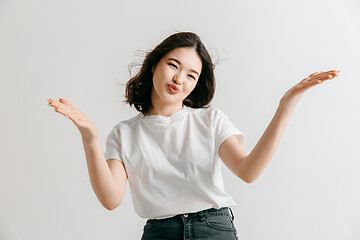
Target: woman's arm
column 264, row 150
column 249, row 168
column 103, row 180
column 257, row 160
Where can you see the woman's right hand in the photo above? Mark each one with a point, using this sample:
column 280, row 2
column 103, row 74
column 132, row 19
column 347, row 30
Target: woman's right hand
column 86, row 128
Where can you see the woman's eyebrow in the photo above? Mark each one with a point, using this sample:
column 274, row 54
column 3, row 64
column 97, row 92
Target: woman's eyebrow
column 191, row 70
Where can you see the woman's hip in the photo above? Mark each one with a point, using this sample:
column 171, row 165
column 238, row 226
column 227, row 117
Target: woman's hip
column 206, row 224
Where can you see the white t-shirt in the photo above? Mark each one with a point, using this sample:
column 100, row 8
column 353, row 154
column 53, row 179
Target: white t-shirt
column 172, row 163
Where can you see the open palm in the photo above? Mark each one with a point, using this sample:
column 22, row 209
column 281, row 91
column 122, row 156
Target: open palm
column 292, row 96
column 84, row 125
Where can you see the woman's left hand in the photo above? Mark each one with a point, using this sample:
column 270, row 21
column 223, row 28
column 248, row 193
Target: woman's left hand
column 291, row 97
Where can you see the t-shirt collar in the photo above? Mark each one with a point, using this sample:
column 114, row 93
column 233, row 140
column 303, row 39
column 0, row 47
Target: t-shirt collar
column 164, row 119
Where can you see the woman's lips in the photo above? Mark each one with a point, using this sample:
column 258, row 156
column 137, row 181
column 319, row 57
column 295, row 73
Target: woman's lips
column 172, row 88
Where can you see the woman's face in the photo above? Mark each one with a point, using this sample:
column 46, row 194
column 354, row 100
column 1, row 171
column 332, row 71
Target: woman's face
column 181, row 67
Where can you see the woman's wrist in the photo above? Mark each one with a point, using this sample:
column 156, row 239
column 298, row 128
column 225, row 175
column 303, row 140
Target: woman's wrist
column 89, row 140
column 285, row 109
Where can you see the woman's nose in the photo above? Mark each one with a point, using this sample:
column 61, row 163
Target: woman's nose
column 178, row 79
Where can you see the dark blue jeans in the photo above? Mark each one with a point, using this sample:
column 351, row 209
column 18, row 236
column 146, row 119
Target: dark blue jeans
column 206, row 225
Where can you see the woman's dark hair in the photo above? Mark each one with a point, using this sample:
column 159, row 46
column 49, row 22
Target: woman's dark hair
column 138, row 88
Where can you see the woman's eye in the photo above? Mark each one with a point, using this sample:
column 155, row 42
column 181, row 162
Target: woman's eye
column 176, row 68
column 172, row 65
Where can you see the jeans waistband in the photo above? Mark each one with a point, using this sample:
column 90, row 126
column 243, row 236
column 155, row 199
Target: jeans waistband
column 206, row 212
column 213, row 211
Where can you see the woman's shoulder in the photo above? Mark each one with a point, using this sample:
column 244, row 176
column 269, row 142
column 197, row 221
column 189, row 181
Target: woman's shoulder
column 206, row 110
column 209, row 113
column 127, row 122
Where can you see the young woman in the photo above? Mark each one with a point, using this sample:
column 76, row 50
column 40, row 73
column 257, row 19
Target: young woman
column 171, row 151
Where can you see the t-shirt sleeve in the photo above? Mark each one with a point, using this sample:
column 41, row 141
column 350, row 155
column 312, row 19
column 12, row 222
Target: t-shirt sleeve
column 113, row 145
column 223, row 128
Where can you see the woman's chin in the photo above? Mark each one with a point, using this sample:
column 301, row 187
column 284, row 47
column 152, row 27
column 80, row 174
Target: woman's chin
column 171, row 99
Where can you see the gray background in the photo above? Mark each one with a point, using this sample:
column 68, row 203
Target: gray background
column 80, row 50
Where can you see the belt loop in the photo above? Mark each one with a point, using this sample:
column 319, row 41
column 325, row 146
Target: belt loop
column 232, row 215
